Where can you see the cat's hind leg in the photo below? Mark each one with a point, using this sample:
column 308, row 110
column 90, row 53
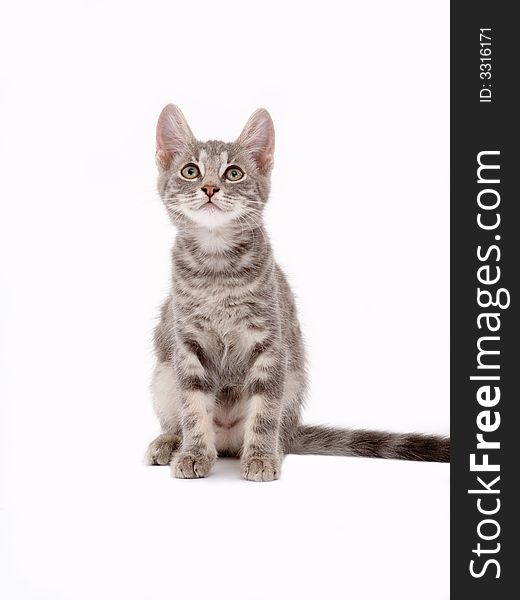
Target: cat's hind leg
column 166, row 406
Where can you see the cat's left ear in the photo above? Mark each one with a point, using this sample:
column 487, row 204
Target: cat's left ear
column 173, row 135
column 257, row 138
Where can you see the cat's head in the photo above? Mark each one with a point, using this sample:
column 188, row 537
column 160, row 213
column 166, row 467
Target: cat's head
column 214, row 184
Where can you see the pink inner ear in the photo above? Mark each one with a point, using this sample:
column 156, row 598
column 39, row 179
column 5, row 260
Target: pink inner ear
column 173, row 134
column 257, row 138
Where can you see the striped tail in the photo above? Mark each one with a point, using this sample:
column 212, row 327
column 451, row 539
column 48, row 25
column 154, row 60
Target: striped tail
column 332, row 441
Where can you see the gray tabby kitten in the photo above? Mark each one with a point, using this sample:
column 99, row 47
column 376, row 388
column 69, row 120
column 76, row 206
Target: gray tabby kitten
column 230, row 375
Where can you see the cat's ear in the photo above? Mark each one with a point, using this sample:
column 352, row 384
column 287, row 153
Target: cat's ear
column 257, row 138
column 173, row 135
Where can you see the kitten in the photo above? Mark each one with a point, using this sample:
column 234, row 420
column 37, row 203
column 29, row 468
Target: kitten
column 230, row 376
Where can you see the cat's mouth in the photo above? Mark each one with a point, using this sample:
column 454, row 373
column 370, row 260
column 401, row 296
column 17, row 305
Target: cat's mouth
column 209, row 205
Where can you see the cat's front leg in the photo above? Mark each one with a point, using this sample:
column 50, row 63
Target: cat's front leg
column 261, row 455
column 197, row 454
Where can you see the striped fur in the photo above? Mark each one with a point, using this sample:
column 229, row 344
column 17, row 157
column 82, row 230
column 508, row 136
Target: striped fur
column 333, row 441
column 230, row 376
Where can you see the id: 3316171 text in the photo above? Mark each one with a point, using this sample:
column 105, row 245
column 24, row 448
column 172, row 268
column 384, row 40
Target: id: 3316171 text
column 485, row 65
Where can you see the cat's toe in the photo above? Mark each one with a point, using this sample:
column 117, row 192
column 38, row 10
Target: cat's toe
column 188, row 465
column 161, row 450
column 260, row 468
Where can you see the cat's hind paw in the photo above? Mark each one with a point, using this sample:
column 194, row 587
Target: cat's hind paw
column 161, row 450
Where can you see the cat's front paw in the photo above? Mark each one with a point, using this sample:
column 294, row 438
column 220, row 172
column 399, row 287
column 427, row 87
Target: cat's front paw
column 161, row 450
column 260, row 468
column 192, row 465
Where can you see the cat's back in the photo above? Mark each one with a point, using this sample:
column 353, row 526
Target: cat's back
column 289, row 321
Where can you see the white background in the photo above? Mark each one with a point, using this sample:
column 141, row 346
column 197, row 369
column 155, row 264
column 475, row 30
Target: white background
column 359, row 220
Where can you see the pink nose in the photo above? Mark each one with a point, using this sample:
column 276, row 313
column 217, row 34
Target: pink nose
column 209, row 190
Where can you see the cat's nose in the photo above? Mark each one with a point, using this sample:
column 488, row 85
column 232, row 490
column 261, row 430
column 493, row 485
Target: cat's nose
column 209, row 190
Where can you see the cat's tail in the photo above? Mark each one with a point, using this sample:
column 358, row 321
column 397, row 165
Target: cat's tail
column 333, row 441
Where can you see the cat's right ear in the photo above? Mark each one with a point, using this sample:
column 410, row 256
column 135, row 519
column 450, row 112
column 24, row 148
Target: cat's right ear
column 173, row 135
column 257, row 138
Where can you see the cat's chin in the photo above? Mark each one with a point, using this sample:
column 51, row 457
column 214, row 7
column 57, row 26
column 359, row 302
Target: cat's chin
column 211, row 217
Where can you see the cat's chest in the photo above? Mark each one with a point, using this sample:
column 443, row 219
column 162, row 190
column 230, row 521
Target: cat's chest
column 220, row 311
column 227, row 326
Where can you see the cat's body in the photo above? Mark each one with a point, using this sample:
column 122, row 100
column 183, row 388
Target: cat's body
column 234, row 312
column 230, row 377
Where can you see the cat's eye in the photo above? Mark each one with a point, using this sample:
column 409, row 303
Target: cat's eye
column 190, row 171
column 233, row 173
